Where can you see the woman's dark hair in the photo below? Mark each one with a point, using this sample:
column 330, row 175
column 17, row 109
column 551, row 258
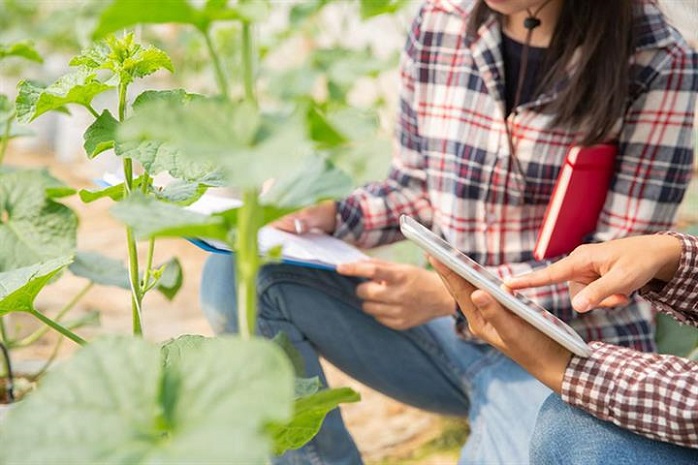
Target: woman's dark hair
column 597, row 38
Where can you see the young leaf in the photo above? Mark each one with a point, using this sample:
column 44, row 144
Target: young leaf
column 116, row 401
column 115, row 192
column 100, row 135
column 308, row 415
column 20, row 49
column 124, row 57
column 78, row 88
column 33, row 228
column 100, row 269
column 170, row 278
column 152, row 218
column 20, row 286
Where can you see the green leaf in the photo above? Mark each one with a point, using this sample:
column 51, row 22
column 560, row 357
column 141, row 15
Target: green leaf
column 173, row 350
column 281, row 339
column 314, row 180
column 124, row 57
column 19, row 287
column 33, row 227
column 279, row 141
column 7, row 114
column 371, row 8
column 170, row 278
column 182, row 192
column 78, row 88
column 674, row 338
column 100, row 269
column 309, row 413
column 152, row 218
column 173, row 96
column 122, row 14
column 100, row 135
column 322, row 131
column 115, row 192
column 157, row 157
column 116, row 401
column 20, row 49
column 304, row 387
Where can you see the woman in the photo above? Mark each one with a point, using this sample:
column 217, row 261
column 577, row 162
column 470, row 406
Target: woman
column 624, row 391
column 493, row 93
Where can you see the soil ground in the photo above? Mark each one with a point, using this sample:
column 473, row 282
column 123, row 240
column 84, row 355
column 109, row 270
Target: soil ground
column 386, row 432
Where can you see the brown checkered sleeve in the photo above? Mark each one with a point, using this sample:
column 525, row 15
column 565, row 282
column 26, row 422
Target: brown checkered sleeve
column 679, row 297
column 650, row 394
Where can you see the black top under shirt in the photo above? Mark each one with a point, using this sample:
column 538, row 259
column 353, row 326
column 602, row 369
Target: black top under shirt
column 511, row 52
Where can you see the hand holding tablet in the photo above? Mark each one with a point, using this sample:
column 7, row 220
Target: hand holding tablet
column 479, row 277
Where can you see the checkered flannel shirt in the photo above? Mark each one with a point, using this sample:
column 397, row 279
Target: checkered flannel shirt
column 452, row 168
column 653, row 395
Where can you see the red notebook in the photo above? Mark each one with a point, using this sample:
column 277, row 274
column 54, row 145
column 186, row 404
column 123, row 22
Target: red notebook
column 577, row 199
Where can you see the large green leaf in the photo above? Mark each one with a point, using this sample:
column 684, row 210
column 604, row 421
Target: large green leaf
column 122, row 14
column 153, row 218
column 314, row 180
column 250, row 148
column 20, row 49
column 33, row 227
column 19, row 287
column 157, row 157
column 116, row 401
column 370, row 8
column 78, row 88
column 309, row 413
column 100, row 269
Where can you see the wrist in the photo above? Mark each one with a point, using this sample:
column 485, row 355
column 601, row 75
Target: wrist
column 670, row 251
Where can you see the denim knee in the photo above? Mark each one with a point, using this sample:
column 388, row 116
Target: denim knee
column 553, row 432
column 217, row 294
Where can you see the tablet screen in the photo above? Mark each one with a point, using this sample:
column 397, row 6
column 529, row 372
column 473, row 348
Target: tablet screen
column 480, row 277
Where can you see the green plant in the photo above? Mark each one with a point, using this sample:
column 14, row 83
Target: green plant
column 244, row 147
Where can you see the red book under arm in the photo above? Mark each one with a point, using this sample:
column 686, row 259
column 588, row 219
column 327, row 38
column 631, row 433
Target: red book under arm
column 577, row 199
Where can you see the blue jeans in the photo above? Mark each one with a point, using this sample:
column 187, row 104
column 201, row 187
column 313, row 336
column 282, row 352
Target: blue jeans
column 566, row 434
column 428, row 367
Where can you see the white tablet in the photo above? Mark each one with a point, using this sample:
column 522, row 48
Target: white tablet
column 479, row 277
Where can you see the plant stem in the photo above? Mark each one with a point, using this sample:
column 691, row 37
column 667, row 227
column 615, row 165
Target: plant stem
column 247, row 262
column 91, row 109
column 4, row 338
column 148, row 267
column 6, row 137
column 10, row 387
column 217, row 66
column 136, row 294
column 58, row 327
column 36, row 335
column 248, row 51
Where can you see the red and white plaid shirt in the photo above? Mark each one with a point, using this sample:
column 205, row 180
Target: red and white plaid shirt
column 653, row 395
column 453, row 170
